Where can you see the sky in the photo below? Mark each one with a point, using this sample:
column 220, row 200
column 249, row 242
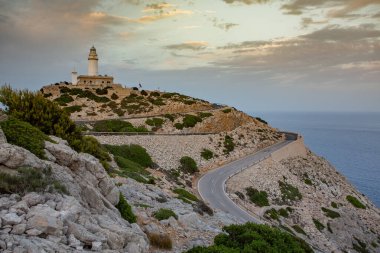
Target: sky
column 255, row 55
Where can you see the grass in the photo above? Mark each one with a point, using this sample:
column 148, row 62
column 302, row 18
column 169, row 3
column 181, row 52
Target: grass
column 188, row 165
column 164, row 214
column 298, row 229
column 126, row 210
column 161, row 241
column 289, row 192
column 355, row 202
column 318, row 224
column 182, row 193
column 259, row 198
column 30, row 180
column 116, row 125
column 133, row 152
column 25, row 135
column 207, row 154
column 330, row 213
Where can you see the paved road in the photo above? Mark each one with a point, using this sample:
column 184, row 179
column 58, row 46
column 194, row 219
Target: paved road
column 211, row 186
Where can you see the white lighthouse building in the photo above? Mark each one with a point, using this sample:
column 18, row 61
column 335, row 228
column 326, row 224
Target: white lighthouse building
column 92, row 77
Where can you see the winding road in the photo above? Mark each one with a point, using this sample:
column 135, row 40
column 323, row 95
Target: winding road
column 211, row 186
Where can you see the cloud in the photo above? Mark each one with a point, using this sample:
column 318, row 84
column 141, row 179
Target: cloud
column 246, row 1
column 306, row 22
column 336, row 33
column 189, row 45
column 161, row 15
column 350, row 7
column 245, row 45
column 157, row 6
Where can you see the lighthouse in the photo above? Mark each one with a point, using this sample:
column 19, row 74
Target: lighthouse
column 93, row 62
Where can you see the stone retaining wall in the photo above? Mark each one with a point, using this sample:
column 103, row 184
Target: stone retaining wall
column 296, row 148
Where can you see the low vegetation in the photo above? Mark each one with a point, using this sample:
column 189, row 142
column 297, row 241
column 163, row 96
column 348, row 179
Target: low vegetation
column 261, row 120
column 72, row 109
column 355, row 202
column 132, row 152
column 254, row 238
column 156, row 123
column 207, row 154
column 64, row 99
column 116, row 125
column 185, row 195
column 330, row 213
column 188, row 121
column 161, row 241
column 298, row 229
column 164, row 214
column 188, row 165
column 289, row 192
column 259, row 198
column 126, row 210
column 133, row 170
column 228, row 110
column 25, row 135
column 29, row 180
column 318, row 224
column 229, row 144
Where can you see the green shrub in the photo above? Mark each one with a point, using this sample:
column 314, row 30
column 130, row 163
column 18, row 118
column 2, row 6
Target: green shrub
column 144, row 93
column 283, row 212
column 157, row 101
column 161, row 241
column 251, row 237
column 88, row 94
column 259, row 198
column 101, row 91
column 318, row 224
column 329, row 227
column 289, row 192
column 132, row 152
column 262, row 121
column 126, row 210
column 205, row 114
column 308, row 181
column 132, row 170
column 114, row 96
column 64, row 99
column 72, row 109
column 330, row 213
column 272, row 214
column 298, row 229
column 154, row 94
column 171, row 117
column 25, row 135
column 116, row 125
column 90, row 145
column 201, row 207
column 164, row 214
column 229, row 144
column 179, row 126
column 29, row 180
column 207, row 154
column 360, row 246
column 355, row 202
column 228, row 110
column 190, row 120
column 185, row 194
column 188, row 165
column 155, row 122
column 334, row 205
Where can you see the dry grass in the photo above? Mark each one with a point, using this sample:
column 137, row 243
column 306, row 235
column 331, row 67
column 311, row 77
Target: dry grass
column 161, row 241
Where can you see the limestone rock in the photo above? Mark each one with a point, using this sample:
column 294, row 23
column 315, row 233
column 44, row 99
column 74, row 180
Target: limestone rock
column 44, row 219
column 11, row 219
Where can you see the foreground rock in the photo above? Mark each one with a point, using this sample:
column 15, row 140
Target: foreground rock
column 86, row 219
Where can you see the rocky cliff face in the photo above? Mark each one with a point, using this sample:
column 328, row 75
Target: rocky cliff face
column 307, row 192
column 84, row 219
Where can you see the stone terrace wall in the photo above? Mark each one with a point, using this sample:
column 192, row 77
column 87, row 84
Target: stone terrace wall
column 296, row 148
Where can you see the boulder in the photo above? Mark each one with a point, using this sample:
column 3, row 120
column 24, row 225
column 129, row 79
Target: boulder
column 18, row 229
column 11, row 219
column 44, row 219
column 33, row 199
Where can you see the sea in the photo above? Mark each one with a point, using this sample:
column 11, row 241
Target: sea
column 349, row 141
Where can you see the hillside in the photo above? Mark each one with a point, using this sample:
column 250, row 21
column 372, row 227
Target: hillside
column 137, row 192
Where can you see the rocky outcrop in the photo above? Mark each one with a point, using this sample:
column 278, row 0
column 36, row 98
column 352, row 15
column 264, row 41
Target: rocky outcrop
column 3, row 117
column 84, row 219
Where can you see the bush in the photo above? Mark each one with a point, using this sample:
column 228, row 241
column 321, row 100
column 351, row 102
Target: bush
column 164, row 214
column 207, row 154
column 170, row 117
column 298, row 229
column 205, row 114
column 259, row 198
column 185, row 194
column 179, row 126
column 355, row 202
column 72, row 109
column 126, row 210
column 318, row 224
column 25, row 135
column 116, row 125
column 228, row 110
column 161, row 241
column 133, row 170
column 229, row 144
column 190, row 120
column 289, row 192
column 330, row 213
column 334, row 205
column 154, row 94
column 64, row 99
column 101, row 91
column 201, row 207
column 308, row 181
column 29, row 180
column 132, row 152
column 188, row 165
column 262, row 121
column 90, row 145
column 155, row 122
column 114, row 96
column 272, row 214
column 251, row 237
column 88, row 94
column 144, row 93
column 283, row 212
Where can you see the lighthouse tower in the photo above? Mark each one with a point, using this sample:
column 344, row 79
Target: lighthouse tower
column 93, row 62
